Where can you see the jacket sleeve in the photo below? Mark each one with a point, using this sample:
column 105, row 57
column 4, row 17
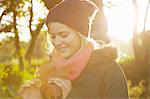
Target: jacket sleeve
column 115, row 83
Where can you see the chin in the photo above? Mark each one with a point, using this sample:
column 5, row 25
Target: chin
column 65, row 55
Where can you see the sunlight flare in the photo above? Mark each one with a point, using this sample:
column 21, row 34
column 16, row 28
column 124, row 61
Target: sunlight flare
column 120, row 20
column 120, row 16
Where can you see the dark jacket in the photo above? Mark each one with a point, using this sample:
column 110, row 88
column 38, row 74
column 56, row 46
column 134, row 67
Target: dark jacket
column 102, row 78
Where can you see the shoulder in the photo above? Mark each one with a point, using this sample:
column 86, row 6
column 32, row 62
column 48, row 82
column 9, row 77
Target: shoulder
column 104, row 55
column 103, row 59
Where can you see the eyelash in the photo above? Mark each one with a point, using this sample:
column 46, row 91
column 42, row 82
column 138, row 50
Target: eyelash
column 62, row 35
column 53, row 36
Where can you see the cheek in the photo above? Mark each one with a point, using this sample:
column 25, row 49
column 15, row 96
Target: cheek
column 74, row 43
column 69, row 39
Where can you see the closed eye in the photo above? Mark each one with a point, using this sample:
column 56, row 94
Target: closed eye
column 52, row 36
column 63, row 34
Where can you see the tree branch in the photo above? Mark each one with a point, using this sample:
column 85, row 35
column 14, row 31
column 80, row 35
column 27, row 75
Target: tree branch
column 31, row 18
column 145, row 18
column 29, row 52
column 17, row 42
column 6, row 28
column 4, row 13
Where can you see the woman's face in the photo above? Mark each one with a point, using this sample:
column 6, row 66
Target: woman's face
column 65, row 40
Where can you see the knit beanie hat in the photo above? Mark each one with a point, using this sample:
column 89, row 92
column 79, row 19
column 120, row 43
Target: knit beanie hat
column 77, row 14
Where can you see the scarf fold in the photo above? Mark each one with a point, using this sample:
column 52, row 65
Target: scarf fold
column 75, row 64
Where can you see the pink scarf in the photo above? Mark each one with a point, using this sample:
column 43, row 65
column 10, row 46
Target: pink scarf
column 76, row 63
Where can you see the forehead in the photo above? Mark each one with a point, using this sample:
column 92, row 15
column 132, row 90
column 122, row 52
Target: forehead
column 56, row 27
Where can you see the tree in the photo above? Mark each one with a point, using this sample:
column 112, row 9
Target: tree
column 100, row 25
column 13, row 50
column 16, row 8
column 141, row 45
column 34, row 33
column 13, row 7
column 145, row 39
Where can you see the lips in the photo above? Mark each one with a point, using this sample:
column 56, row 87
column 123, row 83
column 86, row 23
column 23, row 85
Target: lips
column 61, row 46
column 63, row 49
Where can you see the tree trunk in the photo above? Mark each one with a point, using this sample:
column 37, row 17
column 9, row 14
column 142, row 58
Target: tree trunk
column 146, row 40
column 138, row 49
column 33, row 40
column 30, row 21
column 17, row 42
column 145, row 18
column 34, row 34
column 146, row 46
column 100, row 25
column 135, row 35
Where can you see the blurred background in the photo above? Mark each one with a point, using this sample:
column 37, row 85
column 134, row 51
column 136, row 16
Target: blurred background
column 125, row 24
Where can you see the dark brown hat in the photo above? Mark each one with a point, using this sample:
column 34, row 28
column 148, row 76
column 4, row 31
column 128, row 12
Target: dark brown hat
column 77, row 14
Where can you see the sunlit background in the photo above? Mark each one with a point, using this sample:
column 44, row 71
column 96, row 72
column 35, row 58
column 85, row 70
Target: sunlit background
column 120, row 18
column 19, row 59
column 24, row 35
column 119, row 14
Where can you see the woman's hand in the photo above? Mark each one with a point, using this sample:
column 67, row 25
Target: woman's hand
column 50, row 90
column 31, row 92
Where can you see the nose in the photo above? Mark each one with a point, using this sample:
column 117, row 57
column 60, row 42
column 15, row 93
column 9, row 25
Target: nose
column 57, row 42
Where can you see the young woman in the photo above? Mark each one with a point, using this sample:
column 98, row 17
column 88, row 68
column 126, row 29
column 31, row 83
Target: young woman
column 79, row 68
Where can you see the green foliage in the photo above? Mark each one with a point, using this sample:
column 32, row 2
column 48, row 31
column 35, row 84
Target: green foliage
column 137, row 88
column 11, row 78
column 7, row 46
column 137, row 91
column 125, row 59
